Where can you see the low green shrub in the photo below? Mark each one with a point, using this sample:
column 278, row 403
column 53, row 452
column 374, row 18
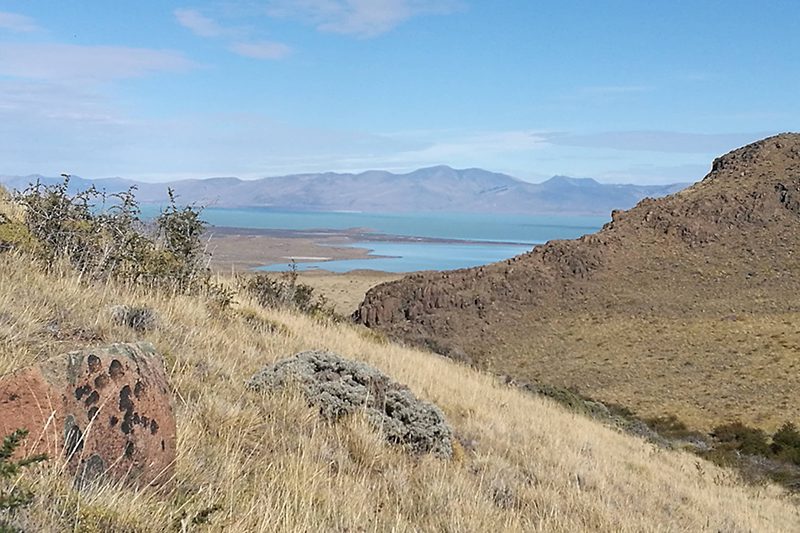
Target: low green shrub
column 786, row 443
column 285, row 293
column 13, row 234
column 750, row 451
column 13, row 497
column 741, row 438
column 671, row 427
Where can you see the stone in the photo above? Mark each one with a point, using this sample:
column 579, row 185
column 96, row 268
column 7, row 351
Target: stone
column 339, row 387
column 107, row 412
column 138, row 318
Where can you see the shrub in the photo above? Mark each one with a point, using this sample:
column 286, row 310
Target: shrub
column 13, row 233
column 671, row 427
column 736, row 436
column 103, row 236
column 786, row 443
column 13, row 497
column 285, row 293
column 339, row 387
column 62, row 225
column 179, row 233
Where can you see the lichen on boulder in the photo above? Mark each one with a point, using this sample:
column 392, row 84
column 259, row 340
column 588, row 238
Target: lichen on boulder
column 339, row 387
column 105, row 411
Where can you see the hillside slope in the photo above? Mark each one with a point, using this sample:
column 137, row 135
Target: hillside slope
column 685, row 305
column 265, row 462
column 439, row 188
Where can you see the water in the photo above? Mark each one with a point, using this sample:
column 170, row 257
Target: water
column 512, row 234
column 410, row 257
column 528, row 229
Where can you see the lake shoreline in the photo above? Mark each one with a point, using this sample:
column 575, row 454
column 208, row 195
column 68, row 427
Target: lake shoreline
column 353, row 235
column 247, row 249
column 245, row 240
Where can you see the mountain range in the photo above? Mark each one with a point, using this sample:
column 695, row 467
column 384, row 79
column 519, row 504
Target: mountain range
column 438, row 188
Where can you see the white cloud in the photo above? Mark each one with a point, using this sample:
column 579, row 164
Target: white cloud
column 447, row 148
column 657, row 141
column 204, row 26
column 406, row 151
column 198, row 23
column 25, row 102
column 49, row 124
column 363, row 18
column 17, row 23
column 261, row 50
column 86, row 63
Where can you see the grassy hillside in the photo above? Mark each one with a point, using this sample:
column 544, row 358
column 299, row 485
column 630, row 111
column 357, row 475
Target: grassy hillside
column 265, row 462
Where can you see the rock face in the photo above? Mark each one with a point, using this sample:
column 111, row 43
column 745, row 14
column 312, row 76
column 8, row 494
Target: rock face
column 339, row 387
column 751, row 189
column 749, row 201
column 727, row 245
column 104, row 411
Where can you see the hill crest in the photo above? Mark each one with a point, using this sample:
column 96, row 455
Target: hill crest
column 722, row 248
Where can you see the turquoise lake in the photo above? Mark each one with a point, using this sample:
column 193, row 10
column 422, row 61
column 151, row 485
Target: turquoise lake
column 503, row 235
column 410, row 257
column 528, row 229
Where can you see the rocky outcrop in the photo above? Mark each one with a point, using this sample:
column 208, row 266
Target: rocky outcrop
column 609, row 310
column 339, row 387
column 748, row 190
column 103, row 411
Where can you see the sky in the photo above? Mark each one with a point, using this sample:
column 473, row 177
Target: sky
column 623, row 91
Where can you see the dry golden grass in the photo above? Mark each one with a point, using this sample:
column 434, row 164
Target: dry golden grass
column 696, row 342
column 345, row 291
column 270, row 464
column 8, row 208
column 705, row 370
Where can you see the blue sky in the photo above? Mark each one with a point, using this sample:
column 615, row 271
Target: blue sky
column 622, row 91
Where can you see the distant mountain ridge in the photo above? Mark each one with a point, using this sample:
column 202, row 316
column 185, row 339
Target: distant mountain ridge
column 439, row 188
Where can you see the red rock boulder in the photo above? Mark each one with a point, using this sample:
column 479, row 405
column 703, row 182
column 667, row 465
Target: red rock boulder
column 104, row 411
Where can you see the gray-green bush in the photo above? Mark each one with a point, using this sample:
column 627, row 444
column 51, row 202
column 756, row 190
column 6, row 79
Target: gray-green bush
column 340, row 387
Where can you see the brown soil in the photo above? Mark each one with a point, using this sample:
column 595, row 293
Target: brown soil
column 688, row 304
